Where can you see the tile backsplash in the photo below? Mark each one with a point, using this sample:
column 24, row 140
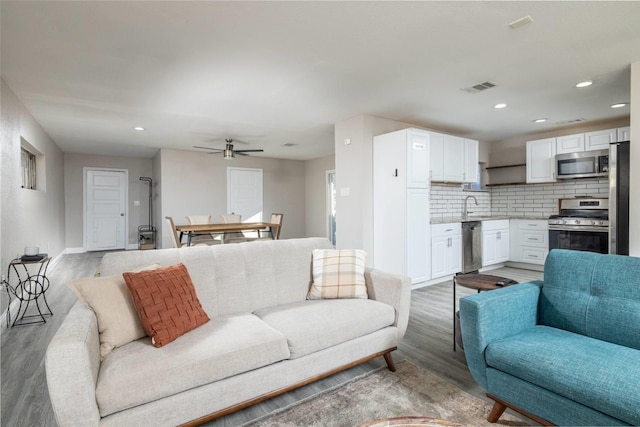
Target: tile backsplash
column 526, row 200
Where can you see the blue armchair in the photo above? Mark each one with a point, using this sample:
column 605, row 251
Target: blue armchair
column 565, row 350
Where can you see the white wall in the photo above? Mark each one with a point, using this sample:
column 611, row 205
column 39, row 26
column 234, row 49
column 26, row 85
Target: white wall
column 74, row 165
column 634, row 207
column 196, row 184
column 316, row 195
column 28, row 217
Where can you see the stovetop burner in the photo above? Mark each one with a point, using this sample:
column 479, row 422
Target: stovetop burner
column 581, row 212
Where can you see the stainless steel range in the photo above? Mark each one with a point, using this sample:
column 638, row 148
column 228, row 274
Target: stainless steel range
column 582, row 225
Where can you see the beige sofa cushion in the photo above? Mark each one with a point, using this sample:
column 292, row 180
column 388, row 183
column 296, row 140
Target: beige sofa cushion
column 109, row 298
column 311, row 326
column 138, row 372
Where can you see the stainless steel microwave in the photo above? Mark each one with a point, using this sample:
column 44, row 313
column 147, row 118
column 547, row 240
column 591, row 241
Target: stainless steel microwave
column 584, row 164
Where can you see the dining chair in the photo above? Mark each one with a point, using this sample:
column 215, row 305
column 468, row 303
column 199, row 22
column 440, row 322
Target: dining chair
column 276, row 218
column 207, row 238
column 232, row 237
column 173, row 232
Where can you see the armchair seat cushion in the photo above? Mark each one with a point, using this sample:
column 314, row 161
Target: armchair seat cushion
column 557, row 360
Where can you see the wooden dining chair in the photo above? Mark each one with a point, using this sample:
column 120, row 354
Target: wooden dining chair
column 173, row 232
column 207, row 238
column 276, row 218
column 232, row 237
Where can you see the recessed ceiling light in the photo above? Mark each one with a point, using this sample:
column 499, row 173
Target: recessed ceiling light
column 138, row 128
column 541, row 120
column 498, row 106
column 584, row 83
column 520, row 22
column 619, row 105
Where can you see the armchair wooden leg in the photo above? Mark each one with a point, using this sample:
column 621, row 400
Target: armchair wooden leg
column 500, row 406
column 496, row 412
column 389, row 360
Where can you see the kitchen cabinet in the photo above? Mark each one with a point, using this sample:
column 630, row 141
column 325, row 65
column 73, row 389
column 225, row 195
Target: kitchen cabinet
column 495, row 242
column 453, row 159
column 401, row 229
column 600, row 139
column 446, row 249
column 529, row 240
column 570, row 143
column 541, row 160
column 624, row 134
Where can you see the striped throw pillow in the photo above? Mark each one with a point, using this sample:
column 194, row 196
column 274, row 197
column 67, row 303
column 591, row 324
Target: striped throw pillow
column 338, row 273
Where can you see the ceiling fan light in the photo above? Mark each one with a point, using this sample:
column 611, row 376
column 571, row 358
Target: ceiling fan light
column 228, row 154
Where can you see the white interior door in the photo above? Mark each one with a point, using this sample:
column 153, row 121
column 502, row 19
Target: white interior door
column 244, row 193
column 105, row 209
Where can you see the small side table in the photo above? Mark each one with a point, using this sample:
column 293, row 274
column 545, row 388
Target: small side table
column 481, row 282
column 30, row 286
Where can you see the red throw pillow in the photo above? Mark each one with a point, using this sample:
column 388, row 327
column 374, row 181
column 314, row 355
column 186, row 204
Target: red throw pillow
column 166, row 302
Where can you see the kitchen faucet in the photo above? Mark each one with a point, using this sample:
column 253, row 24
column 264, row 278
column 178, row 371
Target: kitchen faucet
column 465, row 213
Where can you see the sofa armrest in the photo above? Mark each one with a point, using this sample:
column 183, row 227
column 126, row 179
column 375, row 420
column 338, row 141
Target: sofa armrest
column 72, row 363
column 489, row 316
column 394, row 290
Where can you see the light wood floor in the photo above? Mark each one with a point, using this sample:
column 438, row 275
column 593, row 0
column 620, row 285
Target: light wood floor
column 428, row 343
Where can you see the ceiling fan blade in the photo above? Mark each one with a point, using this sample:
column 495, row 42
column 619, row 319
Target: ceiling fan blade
column 248, row 151
column 209, row 148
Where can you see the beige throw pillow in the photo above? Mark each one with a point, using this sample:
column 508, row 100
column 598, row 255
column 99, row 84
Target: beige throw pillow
column 338, row 273
column 110, row 300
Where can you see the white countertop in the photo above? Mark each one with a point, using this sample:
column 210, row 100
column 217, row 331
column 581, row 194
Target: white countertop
column 485, row 218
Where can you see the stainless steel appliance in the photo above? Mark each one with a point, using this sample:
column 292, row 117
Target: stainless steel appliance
column 619, row 198
column 471, row 246
column 584, row 164
column 582, row 225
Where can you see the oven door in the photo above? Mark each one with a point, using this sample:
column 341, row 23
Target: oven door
column 590, row 239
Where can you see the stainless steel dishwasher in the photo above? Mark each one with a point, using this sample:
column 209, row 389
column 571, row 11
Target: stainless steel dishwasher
column 471, row 246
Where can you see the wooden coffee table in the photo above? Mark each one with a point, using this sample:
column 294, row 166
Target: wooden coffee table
column 481, row 282
column 411, row 421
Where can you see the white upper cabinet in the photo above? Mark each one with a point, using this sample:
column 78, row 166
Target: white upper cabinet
column 600, row 139
column 470, row 160
column 570, row 143
column 541, row 160
column 453, row 159
column 453, row 156
column 436, row 150
column 417, row 159
column 624, row 134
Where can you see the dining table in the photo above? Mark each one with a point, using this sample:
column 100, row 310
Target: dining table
column 192, row 229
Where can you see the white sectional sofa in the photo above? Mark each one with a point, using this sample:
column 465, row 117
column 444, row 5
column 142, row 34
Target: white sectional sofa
column 264, row 338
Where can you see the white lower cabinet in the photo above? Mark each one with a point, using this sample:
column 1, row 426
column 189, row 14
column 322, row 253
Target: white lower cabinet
column 529, row 240
column 446, row 249
column 495, row 242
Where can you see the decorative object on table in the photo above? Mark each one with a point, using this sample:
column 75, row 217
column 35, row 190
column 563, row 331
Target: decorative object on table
column 30, row 287
column 31, row 250
column 147, row 234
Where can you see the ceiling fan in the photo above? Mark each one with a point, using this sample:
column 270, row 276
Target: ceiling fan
column 228, row 151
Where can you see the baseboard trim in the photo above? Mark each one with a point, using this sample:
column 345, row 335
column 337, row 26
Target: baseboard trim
column 80, row 250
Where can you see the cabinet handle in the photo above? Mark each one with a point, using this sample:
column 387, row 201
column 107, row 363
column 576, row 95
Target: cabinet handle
column 532, row 225
column 395, row 173
column 532, row 238
column 448, row 229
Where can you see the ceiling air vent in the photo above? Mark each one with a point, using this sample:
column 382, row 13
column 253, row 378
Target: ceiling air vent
column 480, row 87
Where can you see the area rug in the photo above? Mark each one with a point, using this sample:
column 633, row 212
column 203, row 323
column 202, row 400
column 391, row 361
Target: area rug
column 410, row 391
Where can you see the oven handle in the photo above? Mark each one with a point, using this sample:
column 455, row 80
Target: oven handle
column 578, row 228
